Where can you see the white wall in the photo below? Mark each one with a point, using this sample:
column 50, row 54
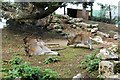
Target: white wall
column 61, row 10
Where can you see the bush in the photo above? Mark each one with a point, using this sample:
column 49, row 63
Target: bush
column 103, row 19
column 20, row 69
column 51, row 59
column 90, row 63
column 15, row 60
column 49, row 74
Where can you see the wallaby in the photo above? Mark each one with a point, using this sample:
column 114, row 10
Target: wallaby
column 33, row 46
column 36, row 46
column 81, row 37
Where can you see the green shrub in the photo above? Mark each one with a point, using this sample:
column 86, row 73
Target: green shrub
column 90, row 63
column 15, row 60
column 24, row 70
column 20, row 69
column 49, row 74
column 51, row 59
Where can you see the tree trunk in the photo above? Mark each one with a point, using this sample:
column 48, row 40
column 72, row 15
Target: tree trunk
column 64, row 10
column 91, row 7
column 84, row 13
column 110, row 14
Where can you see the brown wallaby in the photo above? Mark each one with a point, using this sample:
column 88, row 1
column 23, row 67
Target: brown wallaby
column 81, row 37
column 29, row 45
column 37, row 47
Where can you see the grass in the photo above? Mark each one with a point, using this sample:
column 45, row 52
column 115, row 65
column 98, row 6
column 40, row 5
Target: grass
column 67, row 67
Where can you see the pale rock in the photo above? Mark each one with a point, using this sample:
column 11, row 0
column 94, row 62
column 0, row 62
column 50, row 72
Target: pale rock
column 113, row 77
column 75, row 20
column 85, row 24
column 106, row 68
column 116, row 36
column 94, row 25
column 57, row 26
column 113, row 48
column 106, row 54
column 98, row 39
column 108, row 71
column 94, row 30
column 77, row 77
column 104, row 34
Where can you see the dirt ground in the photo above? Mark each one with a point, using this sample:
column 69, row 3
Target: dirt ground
column 70, row 58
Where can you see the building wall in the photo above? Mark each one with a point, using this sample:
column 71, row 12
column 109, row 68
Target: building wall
column 80, row 14
column 77, row 13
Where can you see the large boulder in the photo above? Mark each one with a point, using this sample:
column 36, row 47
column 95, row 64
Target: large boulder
column 109, row 69
column 109, row 53
column 106, row 68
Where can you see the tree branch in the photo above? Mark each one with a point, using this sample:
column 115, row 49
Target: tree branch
column 42, row 14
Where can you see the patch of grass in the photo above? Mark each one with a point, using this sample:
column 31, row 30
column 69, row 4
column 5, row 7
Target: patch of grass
column 71, row 53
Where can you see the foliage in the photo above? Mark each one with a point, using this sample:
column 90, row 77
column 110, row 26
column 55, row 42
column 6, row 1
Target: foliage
column 15, row 60
column 90, row 63
column 107, row 8
column 49, row 74
column 103, row 19
column 20, row 69
column 51, row 59
column 99, row 77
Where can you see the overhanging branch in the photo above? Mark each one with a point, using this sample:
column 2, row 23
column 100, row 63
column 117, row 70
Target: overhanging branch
column 43, row 14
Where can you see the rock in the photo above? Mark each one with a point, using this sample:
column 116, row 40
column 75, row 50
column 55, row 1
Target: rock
column 55, row 20
column 104, row 34
column 113, row 48
column 113, row 77
column 109, row 69
column 75, row 20
column 73, row 26
column 58, row 30
column 88, row 29
column 94, row 25
column 94, row 30
column 77, row 77
column 98, row 39
column 116, row 36
column 78, row 24
column 78, row 19
column 106, row 54
column 106, row 68
column 57, row 26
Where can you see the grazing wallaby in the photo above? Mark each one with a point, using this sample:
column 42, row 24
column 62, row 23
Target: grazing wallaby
column 82, row 37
